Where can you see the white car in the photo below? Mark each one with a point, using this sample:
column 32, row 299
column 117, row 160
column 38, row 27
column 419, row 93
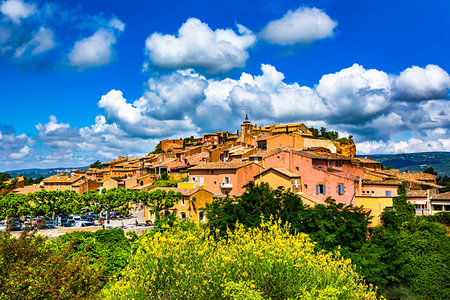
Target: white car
column 84, row 224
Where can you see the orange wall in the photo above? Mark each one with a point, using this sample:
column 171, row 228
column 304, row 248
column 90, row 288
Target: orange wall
column 311, row 176
column 214, row 178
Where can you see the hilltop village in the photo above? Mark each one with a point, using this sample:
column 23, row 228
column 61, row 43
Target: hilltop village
column 219, row 164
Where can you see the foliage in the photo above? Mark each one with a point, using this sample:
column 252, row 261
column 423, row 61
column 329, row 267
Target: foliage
column 403, row 212
column 13, row 205
column 158, row 149
column 31, row 269
column 414, row 258
column 97, row 165
column 31, row 181
column 110, row 249
column 430, row 170
column 323, row 133
column 266, row 262
column 159, row 200
column 388, row 167
column 5, row 177
column 442, row 217
column 330, row 225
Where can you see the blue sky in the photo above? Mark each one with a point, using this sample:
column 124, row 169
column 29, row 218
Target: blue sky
column 87, row 80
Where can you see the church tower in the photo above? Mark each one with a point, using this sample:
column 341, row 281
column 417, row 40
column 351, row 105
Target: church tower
column 246, row 134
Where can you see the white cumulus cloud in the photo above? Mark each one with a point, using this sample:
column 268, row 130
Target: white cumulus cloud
column 198, row 46
column 96, row 50
column 304, row 25
column 16, row 10
column 417, row 83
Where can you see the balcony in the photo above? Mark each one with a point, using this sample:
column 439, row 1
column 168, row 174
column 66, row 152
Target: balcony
column 228, row 185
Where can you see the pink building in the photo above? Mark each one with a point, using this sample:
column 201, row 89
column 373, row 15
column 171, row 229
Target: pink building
column 323, row 175
column 223, row 178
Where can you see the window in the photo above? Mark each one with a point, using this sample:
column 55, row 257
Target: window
column 255, row 160
column 340, row 189
column 201, row 216
column 437, row 207
column 183, row 215
column 320, row 189
column 331, row 163
column 447, row 207
column 297, row 169
column 202, row 180
column 226, row 180
column 388, row 193
column 306, row 186
column 338, row 163
column 183, row 203
column 387, row 208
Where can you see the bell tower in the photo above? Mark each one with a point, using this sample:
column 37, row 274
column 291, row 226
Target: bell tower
column 246, row 134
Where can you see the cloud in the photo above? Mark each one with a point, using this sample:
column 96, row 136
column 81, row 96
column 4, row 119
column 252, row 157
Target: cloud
column 198, row 46
column 16, row 10
column 355, row 100
column 136, row 119
column 96, row 50
column 304, row 25
column 41, row 41
column 412, row 145
column 417, row 84
column 45, row 40
column 22, row 153
column 355, row 94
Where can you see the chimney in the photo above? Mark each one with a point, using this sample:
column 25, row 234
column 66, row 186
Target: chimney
column 406, row 171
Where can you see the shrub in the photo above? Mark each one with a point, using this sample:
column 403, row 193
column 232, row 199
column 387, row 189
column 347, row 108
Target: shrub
column 265, row 262
column 31, row 269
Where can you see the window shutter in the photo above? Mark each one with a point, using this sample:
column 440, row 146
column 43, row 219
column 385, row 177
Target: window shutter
column 324, row 190
column 317, row 189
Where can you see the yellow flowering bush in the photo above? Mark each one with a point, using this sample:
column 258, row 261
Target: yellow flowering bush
column 261, row 263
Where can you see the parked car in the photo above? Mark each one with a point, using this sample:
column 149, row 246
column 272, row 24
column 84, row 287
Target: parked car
column 75, row 217
column 84, row 224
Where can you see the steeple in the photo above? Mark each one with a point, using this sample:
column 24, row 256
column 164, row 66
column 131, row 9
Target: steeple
column 246, row 119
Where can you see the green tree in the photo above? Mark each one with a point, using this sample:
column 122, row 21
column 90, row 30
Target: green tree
column 97, row 165
column 430, row 170
column 158, row 149
column 159, row 200
column 13, row 205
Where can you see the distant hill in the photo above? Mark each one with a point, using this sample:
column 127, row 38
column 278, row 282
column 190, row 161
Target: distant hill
column 416, row 162
column 36, row 173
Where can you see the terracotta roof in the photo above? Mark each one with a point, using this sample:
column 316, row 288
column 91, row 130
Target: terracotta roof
column 366, row 161
column 221, row 165
column 106, row 179
column 20, row 178
column 79, row 183
column 27, row 189
column 265, row 153
column 416, row 193
column 322, row 155
column 418, row 176
column 443, row 196
column 382, row 182
column 311, row 198
column 62, row 179
column 282, row 171
column 184, row 191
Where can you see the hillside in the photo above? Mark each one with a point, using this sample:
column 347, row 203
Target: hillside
column 416, row 162
column 36, row 173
